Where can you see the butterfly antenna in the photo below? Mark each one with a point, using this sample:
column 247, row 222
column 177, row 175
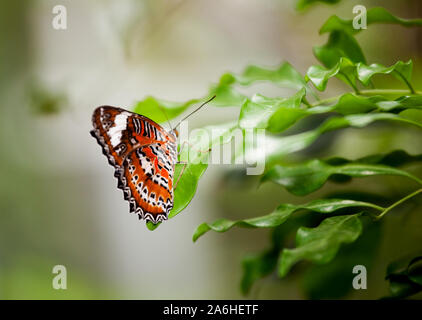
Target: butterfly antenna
column 165, row 115
column 203, row 104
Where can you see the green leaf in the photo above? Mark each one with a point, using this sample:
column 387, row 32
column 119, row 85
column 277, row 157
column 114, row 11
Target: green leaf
column 273, row 147
column 394, row 158
column 401, row 70
column 381, row 15
column 257, row 266
column 322, row 243
column 340, row 45
column 303, row 4
column 410, row 266
column 373, row 15
column 259, row 112
column 414, row 270
column 285, row 117
column 319, row 75
column 401, row 287
column 276, row 114
column 187, row 186
column 338, row 272
column 398, row 266
column 225, row 94
column 302, row 179
column 157, row 109
column 195, row 154
column 405, row 276
column 402, row 103
column 349, row 72
column 349, row 103
column 280, row 215
column 285, row 76
column 201, row 140
column 152, row 226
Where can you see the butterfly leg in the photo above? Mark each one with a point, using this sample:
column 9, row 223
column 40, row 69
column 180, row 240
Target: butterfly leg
column 185, row 163
column 181, row 173
column 190, row 145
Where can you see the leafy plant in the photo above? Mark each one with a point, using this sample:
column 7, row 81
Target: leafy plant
column 342, row 223
column 405, row 276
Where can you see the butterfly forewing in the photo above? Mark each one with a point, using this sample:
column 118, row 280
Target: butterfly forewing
column 143, row 155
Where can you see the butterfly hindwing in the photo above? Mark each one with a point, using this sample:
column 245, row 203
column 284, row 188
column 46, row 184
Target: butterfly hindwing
column 143, row 155
column 147, row 180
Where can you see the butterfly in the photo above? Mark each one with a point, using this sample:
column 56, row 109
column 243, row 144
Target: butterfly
column 144, row 156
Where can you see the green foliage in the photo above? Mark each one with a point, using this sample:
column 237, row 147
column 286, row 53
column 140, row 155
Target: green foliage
column 339, row 45
column 302, row 179
column 332, row 232
column 257, row 266
column 280, row 215
column 350, row 72
column 303, row 4
column 341, row 42
column 275, row 148
column 319, row 75
column 337, row 272
column 403, row 70
column 321, row 244
column 263, row 112
column 373, row 15
column 226, row 95
column 285, row 76
column 405, row 276
column 158, row 109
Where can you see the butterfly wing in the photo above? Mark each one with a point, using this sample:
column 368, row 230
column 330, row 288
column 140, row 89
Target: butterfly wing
column 147, row 180
column 143, row 155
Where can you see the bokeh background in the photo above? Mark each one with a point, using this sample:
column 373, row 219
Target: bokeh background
column 58, row 198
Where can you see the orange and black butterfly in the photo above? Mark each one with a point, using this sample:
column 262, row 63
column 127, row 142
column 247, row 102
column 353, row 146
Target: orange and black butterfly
column 144, row 156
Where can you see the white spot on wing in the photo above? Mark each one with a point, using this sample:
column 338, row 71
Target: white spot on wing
column 115, row 133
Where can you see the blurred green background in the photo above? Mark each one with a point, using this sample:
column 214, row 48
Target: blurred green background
column 58, row 198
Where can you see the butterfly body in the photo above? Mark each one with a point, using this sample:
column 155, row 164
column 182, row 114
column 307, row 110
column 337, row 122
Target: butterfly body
column 144, row 156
